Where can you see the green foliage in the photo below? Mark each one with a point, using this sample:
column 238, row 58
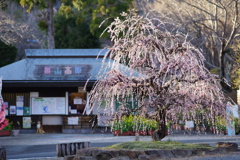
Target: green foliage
column 66, row 10
column 73, row 32
column 146, row 145
column 215, row 71
column 236, row 80
column 220, row 123
column 237, row 125
column 134, row 123
column 41, row 4
column 140, row 123
column 42, row 25
column 7, row 54
column 116, row 125
column 124, row 124
column 152, row 124
column 127, row 123
column 8, row 127
column 3, row 4
column 95, row 11
column 235, row 73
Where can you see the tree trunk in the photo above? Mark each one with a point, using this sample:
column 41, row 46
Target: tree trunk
column 50, row 30
column 224, row 75
column 222, row 71
column 160, row 133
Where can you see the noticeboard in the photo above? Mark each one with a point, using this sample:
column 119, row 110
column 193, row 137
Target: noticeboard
column 48, row 106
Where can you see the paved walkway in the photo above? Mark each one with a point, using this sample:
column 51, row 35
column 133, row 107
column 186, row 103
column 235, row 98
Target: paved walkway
column 41, row 139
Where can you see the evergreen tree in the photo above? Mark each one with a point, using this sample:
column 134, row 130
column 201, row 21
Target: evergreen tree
column 72, row 32
column 7, row 54
column 95, row 11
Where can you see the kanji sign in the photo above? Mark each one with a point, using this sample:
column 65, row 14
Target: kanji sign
column 62, row 72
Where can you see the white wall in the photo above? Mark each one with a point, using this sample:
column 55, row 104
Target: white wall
column 52, row 120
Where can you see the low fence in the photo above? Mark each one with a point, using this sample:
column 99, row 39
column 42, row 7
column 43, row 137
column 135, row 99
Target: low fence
column 66, row 149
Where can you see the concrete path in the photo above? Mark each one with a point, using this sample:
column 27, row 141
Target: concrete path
column 41, row 139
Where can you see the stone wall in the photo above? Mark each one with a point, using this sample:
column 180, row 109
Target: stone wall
column 100, row 154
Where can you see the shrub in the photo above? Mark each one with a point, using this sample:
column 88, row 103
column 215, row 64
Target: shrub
column 220, row 124
column 134, row 123
column 237, row 125
column 152, row 124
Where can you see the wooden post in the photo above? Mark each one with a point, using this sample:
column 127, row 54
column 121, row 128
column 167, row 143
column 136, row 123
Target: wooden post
column 66, row 149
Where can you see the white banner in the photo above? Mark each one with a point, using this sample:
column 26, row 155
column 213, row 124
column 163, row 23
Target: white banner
column 232, row 112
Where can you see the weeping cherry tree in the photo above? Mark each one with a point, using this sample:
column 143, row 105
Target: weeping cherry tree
column 159, row 70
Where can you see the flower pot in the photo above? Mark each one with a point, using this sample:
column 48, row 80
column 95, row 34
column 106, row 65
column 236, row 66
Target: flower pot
column 150, row 132
column 116, row 132
column 6, row 133
column 15, row 132
column 131, row 133
column 119, row 133
column 142, row 133
column 125, row 133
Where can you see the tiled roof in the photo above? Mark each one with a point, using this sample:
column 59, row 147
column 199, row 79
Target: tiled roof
column 64, row 52
column 34, row 67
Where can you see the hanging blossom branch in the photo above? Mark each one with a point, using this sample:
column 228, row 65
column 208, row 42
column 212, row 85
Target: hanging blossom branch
column 160, row 70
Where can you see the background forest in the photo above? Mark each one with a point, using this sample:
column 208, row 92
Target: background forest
column 211, row 25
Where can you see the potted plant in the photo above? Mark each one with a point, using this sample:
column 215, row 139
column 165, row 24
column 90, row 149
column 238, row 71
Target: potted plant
column 116, row 127
column 128, row 125
column 7, row 131
column 121, row 126
column 140, row 125
column 16, row 130
column 220, row 124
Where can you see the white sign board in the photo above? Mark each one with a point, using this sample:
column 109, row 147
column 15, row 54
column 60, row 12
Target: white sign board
column 189, row 124
column 12, row 109
column 48, row 105
column 77, row 101
column 72, row 120
column 19, row 111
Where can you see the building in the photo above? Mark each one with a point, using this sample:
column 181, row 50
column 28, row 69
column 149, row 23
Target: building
column 47, row 86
